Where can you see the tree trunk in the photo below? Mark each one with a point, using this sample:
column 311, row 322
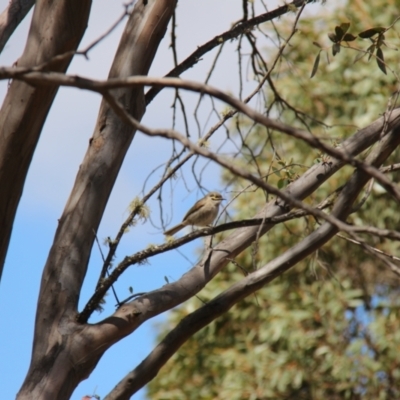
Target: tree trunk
column 65, row 351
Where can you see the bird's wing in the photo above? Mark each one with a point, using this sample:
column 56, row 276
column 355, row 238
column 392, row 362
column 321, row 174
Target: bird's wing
column 198, row 205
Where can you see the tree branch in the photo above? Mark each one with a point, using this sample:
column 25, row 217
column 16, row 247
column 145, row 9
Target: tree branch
column 25, row 108
column 239, row 29
column 198, row 319
column 128, row 317
column 284, row 195
column 11, row 17
column 104, row 86
column 62, row 363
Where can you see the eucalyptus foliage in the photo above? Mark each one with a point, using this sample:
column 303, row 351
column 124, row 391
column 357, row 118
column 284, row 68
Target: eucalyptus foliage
column 330, row 327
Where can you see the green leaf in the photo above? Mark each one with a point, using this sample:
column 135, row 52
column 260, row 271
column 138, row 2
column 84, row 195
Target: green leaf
column 371, row 50
column 332, row 37
column 277, row 172
column 355, row 303
column 381, row 40
column 130, row 288
column 353, row 293
column 339, row 33
column 380, row 60
column 322, row 350
column 371, row 32
column 298, row 379
column 317, row 44
column 316, row 64
column 345, row 26
column 281, row 183
column 348, row 37
column 335, row 49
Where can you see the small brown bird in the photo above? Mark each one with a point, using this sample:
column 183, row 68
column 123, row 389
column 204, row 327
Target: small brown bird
column 202, row 213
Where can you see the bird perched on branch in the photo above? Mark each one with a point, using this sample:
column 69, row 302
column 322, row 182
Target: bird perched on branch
column 202, row 213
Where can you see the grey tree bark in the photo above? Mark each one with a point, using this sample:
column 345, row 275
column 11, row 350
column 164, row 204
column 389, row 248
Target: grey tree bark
column 11, row 17
column 25, row 107
column 65, row 351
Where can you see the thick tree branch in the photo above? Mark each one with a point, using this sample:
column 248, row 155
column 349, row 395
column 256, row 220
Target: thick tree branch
column 191, row 324
column 128, row 317
column 152, row 251
column 61, row 351
column 25, row 108
column 10, row 18
column 285, row 195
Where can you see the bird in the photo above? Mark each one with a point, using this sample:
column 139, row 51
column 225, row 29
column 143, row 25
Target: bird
column 202, row 213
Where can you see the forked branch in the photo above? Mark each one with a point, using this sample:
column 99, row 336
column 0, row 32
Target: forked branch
column 198, row 319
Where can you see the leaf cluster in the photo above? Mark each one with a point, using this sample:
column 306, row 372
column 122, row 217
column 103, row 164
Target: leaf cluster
column 329, row 328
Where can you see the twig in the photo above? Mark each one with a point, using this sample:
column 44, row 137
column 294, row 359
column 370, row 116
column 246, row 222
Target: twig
column 237, row 30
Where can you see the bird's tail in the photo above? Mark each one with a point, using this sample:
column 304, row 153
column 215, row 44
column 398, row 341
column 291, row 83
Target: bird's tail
column 175, row 229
